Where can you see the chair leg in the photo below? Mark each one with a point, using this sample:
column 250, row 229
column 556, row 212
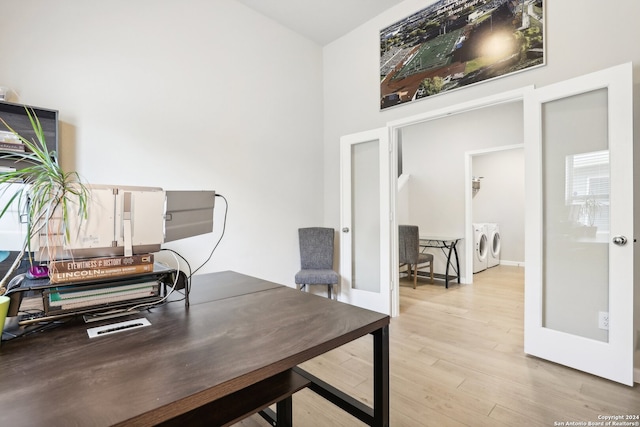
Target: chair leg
column 415, row 276
column 329, row 290
column 408, row 270
column 431, row 271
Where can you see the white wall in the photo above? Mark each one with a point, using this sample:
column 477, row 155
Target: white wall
column 183, row 95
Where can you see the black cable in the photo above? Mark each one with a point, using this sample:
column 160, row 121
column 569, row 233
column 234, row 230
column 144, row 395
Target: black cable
column 224, row 226
column 36, row 328
column 188, row 276
column 183, row 258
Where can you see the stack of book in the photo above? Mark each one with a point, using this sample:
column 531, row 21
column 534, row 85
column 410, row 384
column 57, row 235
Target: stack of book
column 82, row 270
column 9, row 141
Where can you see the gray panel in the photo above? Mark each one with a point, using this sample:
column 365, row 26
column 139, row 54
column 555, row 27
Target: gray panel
column 188, row 213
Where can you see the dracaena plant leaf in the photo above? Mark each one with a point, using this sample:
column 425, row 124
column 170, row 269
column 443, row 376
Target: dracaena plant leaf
column 42, row 189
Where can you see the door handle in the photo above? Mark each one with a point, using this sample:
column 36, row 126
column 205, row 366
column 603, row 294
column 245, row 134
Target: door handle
column 345, row 230
column 619, row 240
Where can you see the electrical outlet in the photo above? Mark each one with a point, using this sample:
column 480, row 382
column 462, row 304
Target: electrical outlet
column 603, row 320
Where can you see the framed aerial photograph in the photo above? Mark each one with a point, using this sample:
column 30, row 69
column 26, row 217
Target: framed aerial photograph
column 455, row 43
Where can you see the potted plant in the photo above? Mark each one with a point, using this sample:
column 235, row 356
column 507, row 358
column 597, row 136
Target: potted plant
column 42, row 189
column 589, row 212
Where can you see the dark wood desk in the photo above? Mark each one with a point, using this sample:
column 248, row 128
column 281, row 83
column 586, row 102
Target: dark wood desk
column 237, row 332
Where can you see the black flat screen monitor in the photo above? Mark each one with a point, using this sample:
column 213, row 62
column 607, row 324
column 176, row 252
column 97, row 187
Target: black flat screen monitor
column 17, row 118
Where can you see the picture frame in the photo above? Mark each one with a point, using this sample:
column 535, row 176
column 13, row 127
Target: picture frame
column 452, row 44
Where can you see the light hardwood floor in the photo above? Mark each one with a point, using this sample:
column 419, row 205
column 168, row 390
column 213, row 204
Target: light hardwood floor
column 457, row 359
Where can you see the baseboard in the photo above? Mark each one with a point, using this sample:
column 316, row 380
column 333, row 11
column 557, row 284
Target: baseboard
column 512, row 263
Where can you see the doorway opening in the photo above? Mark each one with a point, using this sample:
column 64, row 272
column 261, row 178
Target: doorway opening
column 432, row 188
column 494, row 208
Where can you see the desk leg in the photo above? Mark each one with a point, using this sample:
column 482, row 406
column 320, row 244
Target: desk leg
column 455, row 250
column 381, row 377
column 446, row 273
column 284, row 413
column 378, row 416
column 283, row 417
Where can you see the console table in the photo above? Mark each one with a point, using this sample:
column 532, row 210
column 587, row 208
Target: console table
column 239, row 335
column 448, row 247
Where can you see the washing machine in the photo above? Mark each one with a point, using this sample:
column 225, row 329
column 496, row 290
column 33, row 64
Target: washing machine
column 481, row 249
column 493, row 237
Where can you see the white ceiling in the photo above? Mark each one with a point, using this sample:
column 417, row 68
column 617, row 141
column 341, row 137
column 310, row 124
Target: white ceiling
column 322, row 21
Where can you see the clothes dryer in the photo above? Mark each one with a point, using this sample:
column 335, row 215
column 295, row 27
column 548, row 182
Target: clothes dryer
column 480, row 252
column 494, row 240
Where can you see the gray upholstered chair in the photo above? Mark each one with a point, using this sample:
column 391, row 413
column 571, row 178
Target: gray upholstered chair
column 410, row 255
column 316, row 258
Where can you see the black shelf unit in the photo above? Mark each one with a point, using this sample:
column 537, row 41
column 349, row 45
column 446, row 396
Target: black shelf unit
column 37, row 291
column 16, row 116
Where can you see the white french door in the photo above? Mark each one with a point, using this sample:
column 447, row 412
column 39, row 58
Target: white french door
column 365, row 220
column 579, row 223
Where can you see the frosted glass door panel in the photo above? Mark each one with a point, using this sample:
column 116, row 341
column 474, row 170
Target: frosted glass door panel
column 365, row 230
column 365, row 257
column 576, row 214
column 579, row 223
